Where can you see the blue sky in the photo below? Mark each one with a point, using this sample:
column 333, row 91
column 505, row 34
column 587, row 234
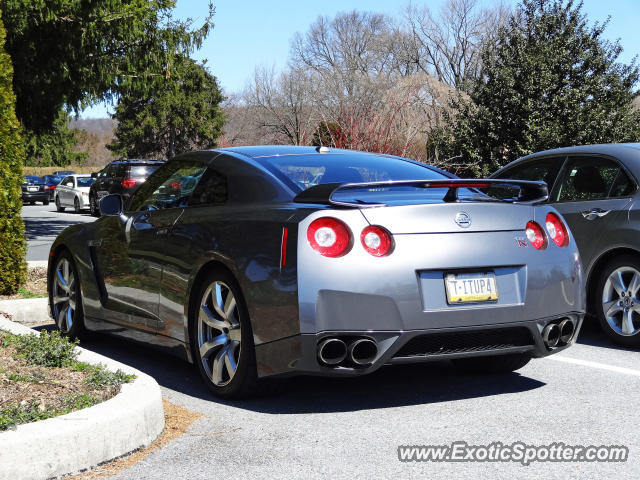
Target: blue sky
column 256, row 32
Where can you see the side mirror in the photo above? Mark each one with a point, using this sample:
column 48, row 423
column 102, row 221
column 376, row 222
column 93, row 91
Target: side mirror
column 111, row 205
column 69, row 184
column 94, row 174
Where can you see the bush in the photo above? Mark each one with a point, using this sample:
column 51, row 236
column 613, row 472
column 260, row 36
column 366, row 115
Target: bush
column 48, row 349
column 13, row 268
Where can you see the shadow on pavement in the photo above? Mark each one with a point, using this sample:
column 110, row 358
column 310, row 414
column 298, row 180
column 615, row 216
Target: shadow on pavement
column 35, row 229
column 592, row 335
column 395, row 386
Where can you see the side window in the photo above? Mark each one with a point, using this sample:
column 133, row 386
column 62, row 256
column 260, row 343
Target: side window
column 593, row 178
column 66, row 181
column 168, row 187
column 211, row 190
column 543, row 169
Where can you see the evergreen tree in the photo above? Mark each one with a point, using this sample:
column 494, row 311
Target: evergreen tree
column 12, row 245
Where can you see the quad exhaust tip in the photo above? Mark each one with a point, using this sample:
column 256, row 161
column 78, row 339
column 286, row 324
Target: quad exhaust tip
column 332, row 351
column 558, row 334
column 363, row 351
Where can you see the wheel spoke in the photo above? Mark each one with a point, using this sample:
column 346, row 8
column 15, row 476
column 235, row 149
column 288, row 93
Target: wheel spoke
column 618, row 283
column 627, row 323
column 207, row 348
column 58, row 299
column 611, row 308
column 634, row 285
column 69, row 316
column 217, row 300
column 229, row 307
column 65, row 271
column 62, row 318
column 206, row 316
column 61, row 282
column 218, row 366
column 229, row 361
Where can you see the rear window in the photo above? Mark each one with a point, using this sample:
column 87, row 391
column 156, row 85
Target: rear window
column 85, row 181
column 301, row 172
column 142, row 171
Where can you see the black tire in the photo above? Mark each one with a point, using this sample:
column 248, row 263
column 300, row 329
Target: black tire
column 59, row 308
column 614, row 325
column 243, row 383
column 494, row 364
column 76, row 205
column 93, row 206
column 45, row 203
column 58, row 207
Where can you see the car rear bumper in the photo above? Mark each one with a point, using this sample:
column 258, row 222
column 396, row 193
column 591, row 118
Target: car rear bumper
column 299, row 354
column 35, row 196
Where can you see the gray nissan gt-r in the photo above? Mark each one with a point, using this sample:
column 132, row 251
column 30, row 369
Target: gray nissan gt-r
column 260, row 262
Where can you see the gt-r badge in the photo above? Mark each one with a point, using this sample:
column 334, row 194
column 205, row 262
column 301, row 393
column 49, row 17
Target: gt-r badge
column 463, row 219
column 521, row 241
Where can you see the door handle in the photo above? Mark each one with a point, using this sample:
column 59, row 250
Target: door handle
column 162, row 231
column 594, row 213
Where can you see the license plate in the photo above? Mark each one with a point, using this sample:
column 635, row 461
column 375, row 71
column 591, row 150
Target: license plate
column 32, row 189
column 471, row 287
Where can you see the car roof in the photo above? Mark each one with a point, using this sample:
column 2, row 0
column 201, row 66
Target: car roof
column 131, row 161
column 265, row 151
column 628, row 153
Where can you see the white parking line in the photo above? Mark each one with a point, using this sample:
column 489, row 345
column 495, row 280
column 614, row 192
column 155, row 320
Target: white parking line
column 601, row 366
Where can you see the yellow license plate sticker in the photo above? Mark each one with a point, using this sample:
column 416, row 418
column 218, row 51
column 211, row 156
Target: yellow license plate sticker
column 471, row 287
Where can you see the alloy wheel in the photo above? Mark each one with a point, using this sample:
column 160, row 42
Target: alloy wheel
column 219, row 333
column 620, row 302
column 64, row 295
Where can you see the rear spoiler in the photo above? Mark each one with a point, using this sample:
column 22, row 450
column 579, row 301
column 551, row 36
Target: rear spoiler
column 530, row 192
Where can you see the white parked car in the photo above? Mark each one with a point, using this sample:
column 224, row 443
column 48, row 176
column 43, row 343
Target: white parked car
column 73, row 191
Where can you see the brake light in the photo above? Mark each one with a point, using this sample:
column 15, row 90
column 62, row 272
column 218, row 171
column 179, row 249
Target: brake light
column 176, row 185
column 536, row 235
column 377, row 241
column 557, row 230
column 129, row 183
column 329, row 237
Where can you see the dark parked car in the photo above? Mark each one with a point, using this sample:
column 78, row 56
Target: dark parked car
column 595, row 188
column 270, row 261
column 51, row 182
column 33, row 190
column 121, row 177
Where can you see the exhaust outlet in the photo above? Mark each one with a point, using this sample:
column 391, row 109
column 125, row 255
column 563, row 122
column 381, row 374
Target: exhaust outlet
column 567, row 329
column 551, row 335
column 332, row 351
column 363, row 351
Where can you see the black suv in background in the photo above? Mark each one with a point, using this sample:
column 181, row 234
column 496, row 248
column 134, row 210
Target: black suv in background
column 121, row 177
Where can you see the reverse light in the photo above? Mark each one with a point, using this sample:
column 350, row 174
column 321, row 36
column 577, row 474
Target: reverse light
column 376, row 241
column 536, row 235
column 557, row 230
column 128, row 183
column 329, row 237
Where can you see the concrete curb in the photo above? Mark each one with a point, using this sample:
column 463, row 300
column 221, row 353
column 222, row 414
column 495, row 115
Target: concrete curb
column 27, row 310
column 80, row 440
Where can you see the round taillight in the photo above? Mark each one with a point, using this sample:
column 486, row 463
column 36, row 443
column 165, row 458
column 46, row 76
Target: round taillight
column 557, row 230
column 536, row 235
column 376, row 240
column 329, row 237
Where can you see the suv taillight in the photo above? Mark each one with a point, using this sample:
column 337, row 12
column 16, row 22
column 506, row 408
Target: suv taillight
column 557, row 230
column 329, row 237
column 129, row 183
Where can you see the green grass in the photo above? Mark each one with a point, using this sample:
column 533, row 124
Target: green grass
column 27, row 294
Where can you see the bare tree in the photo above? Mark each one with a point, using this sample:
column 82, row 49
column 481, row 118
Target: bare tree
column 279, row 104
column 448, row 45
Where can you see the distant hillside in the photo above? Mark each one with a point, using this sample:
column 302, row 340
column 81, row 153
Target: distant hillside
column 95, row 134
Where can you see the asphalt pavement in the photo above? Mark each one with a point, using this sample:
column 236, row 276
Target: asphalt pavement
column 352, row 428
column 43, row 224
